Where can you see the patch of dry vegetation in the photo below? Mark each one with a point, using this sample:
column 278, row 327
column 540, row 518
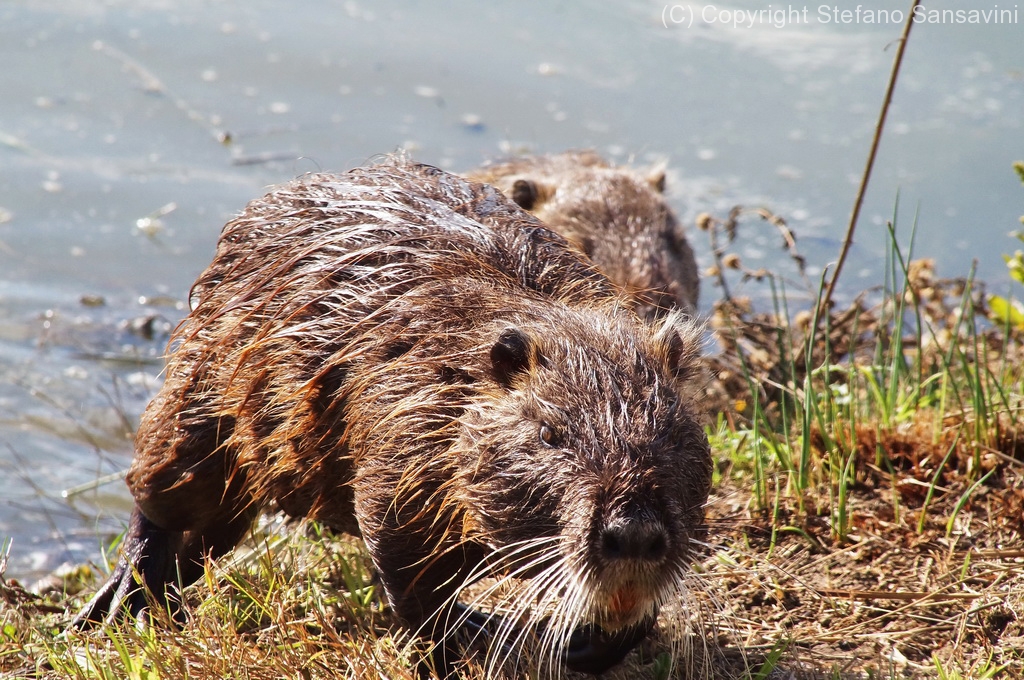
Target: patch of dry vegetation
column 873, row 493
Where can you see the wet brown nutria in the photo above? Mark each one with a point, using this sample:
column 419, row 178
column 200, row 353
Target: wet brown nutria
column 409, row 357
column 616, row 215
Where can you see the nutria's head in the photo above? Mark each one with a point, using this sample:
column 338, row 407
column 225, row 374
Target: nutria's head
column 617, row 216
column 584, row 469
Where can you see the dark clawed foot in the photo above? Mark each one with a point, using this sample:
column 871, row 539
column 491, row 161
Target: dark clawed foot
column 120, row 596
column 593, row 650
column 472, row 625
column 147, row 552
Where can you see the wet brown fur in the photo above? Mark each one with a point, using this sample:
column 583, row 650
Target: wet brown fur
column 344, row 360
column 616, row 215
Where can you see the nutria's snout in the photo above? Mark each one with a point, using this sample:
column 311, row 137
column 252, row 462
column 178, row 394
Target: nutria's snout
column 634, row 540
column 635, row 562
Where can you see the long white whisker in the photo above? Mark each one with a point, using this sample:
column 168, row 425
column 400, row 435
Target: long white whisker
column 510, row 563
column 512, row 635
column 574, row 603
column 552, row 597
column 526, row 551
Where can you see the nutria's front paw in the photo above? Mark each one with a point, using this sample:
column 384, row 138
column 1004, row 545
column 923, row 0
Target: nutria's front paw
column 593, row 650
column 590, row 649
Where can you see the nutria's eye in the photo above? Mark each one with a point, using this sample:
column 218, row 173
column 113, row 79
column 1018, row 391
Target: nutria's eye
column 547, row 435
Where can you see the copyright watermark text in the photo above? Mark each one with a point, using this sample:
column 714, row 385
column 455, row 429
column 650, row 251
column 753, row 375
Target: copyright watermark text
column 781, row 16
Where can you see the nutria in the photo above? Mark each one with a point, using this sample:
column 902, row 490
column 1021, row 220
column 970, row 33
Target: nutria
column 616, row 215
column 410, row 357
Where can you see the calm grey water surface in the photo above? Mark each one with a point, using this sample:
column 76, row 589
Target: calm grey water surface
column 115, row 112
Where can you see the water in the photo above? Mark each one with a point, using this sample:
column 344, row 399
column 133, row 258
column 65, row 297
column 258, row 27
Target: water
column 131, row 130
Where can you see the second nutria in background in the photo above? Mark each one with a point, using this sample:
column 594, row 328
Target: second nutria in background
column 617, row 216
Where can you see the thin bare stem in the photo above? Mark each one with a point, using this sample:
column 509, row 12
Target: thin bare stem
column 866, row 176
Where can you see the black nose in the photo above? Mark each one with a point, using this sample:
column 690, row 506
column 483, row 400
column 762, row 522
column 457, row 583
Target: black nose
column 634, row 540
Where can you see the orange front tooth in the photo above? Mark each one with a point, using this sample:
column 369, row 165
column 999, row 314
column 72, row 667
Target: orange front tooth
column 623, row 600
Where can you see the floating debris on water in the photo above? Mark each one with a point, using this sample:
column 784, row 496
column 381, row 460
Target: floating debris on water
column 161, row 301
column 52, row 183
column 473, row 122
column 152, row 224
column 70, row 492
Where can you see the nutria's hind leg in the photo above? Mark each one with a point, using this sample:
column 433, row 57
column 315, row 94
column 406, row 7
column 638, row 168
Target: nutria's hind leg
column 148, row 553
column 155, row 562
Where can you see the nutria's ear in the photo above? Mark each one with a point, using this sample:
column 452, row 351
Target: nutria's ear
column 677, row 355
column 586, row 245
column 511, row 355
column 524, row 193
column 656, row 178
column 681, row 339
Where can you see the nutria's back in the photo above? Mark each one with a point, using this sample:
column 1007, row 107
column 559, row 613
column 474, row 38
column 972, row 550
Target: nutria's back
column 410, row 357
column 327, row 277
column 617, row 216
